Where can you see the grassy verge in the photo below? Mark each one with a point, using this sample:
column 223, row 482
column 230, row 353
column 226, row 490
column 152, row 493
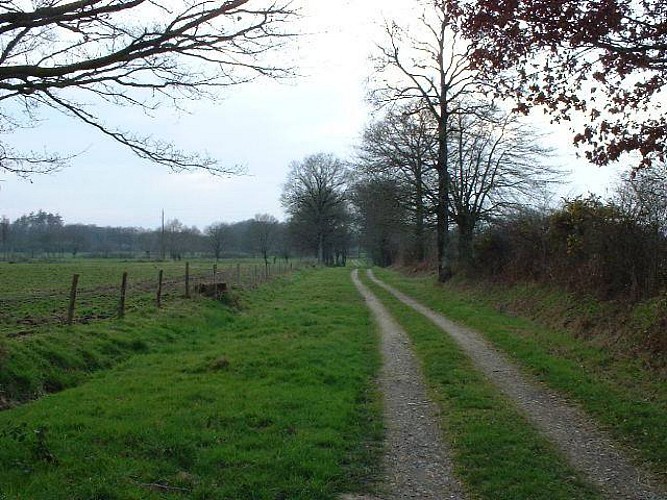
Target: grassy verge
column 63, row 357
column 497, row 453
column 274, row 402
column 630, row 401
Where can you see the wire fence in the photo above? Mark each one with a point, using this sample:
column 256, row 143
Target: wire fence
column 25, row 310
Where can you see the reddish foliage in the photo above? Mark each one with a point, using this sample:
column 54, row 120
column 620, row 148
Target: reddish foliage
column 604, row 58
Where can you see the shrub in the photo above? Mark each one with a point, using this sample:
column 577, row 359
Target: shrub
column 587, row 245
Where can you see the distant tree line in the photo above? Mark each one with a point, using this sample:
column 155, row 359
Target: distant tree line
column 43, row 234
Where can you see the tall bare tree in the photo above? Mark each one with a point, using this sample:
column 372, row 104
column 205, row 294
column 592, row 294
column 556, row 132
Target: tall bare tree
column 66, row 55
column 263, row 231
column 403, row 146
column 430, row 63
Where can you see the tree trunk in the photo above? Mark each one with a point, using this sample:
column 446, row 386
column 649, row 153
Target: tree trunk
column 444, row 264
column 420, row 251
column 465, row 243
column 320, row 248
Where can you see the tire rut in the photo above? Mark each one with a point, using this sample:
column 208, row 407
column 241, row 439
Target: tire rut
column 587, row 448
column 417, row 462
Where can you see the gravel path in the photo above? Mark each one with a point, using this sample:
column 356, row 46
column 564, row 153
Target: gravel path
column 587, row 448
column 416, row 461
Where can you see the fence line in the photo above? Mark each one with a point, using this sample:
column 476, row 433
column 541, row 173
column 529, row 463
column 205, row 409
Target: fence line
column 83, row 304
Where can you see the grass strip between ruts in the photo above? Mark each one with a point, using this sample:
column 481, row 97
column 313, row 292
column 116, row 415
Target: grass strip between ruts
column 630, row 402
column 277, row 401
column 497, row 453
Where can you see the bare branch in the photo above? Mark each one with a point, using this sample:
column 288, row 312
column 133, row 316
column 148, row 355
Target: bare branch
column 136, row 53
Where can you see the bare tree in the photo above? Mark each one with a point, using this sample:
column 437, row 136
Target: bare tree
column 264, row 230
column 431, row 64
column 497, row 164
column 403, row 146
column 67, row 55
column 218, row 235
column 315, row 197
column 174, row 233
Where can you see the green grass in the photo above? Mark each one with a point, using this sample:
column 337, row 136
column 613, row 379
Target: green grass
column 625, row 397
column 37, row 277
column 34, row 296
column 62, row 357
column 497, row 453
column 276, row 401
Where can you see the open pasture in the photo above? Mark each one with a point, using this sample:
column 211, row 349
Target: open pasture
column 275, row 400
column 37, row 294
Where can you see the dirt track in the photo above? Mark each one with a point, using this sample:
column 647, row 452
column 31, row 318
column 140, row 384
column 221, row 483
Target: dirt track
column 417, row 464
column 576, row 435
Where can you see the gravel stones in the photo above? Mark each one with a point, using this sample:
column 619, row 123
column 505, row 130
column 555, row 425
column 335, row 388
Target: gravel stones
column 417, row 461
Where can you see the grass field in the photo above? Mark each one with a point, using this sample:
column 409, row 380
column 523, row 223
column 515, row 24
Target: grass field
column 621, row 393
column 34, row 295
column 274, row 401
column 272, row 395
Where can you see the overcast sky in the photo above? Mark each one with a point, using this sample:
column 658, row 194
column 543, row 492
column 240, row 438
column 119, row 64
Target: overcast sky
column 263, row 126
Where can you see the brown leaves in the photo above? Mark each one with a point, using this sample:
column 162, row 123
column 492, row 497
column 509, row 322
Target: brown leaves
column 550, row 52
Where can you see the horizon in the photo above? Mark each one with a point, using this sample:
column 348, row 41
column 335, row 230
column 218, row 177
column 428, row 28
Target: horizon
column 262, row 126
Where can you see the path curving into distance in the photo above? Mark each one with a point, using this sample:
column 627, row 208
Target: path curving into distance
column 417, row 462
column 587, row 448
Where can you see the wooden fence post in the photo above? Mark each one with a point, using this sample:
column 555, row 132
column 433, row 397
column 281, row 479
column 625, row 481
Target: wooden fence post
column 72, row 299
column 238, row 275
column 215, row 272
column 123, row 292
column 187, row 280
column 159, row 288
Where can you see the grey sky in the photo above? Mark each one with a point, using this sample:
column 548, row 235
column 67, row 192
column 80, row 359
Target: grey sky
column 263, row 125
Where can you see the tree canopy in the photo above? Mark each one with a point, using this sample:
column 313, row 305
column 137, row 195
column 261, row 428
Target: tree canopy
column 315, row 197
